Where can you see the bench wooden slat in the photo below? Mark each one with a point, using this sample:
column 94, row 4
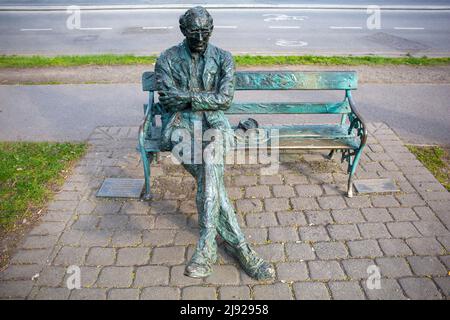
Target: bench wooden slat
column 282, row 80
column 289, row 108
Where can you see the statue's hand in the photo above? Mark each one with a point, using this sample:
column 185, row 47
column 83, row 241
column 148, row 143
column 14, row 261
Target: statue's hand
column 175, row 99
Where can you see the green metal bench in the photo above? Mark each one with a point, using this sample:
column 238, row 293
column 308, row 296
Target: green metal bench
column 349, row 135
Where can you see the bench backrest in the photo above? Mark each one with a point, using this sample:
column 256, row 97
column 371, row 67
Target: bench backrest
column 285, row 80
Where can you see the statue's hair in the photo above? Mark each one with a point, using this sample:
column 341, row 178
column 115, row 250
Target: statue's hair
column 189, row 15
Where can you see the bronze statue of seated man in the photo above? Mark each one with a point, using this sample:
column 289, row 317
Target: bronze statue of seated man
column 195, row 82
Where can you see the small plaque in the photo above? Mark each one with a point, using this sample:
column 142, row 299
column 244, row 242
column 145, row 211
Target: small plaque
column 375, row 186
column 121, row 188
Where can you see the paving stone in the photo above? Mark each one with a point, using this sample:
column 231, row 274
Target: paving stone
column 158, row 237
column 364, row 248
column 326, row 270
column 330, row 250
column 113, row 222
column 403, row 214
column 395, row 247
column 374, row 230
column 257, row 192
column 319, row 217
column 88, row 294
column 57, row 216
column 168, row 255
column 224, row 275
column 101, row 257
column 271, row 252
column 123, row 294
column 20, row 272
column 270, row 180
column 86, row 223
column 300, row 252
column 170, row 221
column 199, row 293
column 185, row 237
column 292, row 179
column 234, row 293
column 140, row 222
column 98, row 238
column 35, row 256
column 427, row 266
column 410, row 200
column 334, row 189
column 358, row 201
column 52, row 294
column 283, row 234
column 264, row 219
column 85, row 207
column 403, row 229
column 304, row 204
column 420, row 288
column 291, row 218
column 177, row 277
column 346, row 290
column 444, row 284
column 161, row 293
column 390, row 290
column 292, row 271
column 151, row 276
column 277, row 204
column 248, row 205
column 245, row 180
column 314, row 233
column 135, row 207
column 308, row 190
column 255, row 235
column 445, row 241
column 39, row 242
column 278, row 291
column 425, row 246
column 118, row 277
column 393, row 267
column 15, row 289
column 89, row 276
column 126, row 238
column 347, row 216
column 108, row 207
column 133, row 256
column 283, row 191
column 51, row 276
column 384, row 201
column 311, row 291
column 163, row 206
column 425, row 214
column 46, row 228
column 357, row 268
column 343, row 232
column 62, row 205
column 70, row 237
column 431, row 228
column 332, row 202
column 376, row 214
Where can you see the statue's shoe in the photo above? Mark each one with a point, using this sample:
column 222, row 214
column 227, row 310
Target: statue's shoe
column 253, row 265
column 198, row 270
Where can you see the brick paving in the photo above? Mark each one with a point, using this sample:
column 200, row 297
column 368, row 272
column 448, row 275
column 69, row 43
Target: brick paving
column 320, row 241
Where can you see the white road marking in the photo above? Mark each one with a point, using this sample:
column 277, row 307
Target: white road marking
column 99, row 28
column 290, row 43
column 225, row 27
column 409, row 28
column 334, row 27
column 157, row 28
column 284, row 27
column 40, row 29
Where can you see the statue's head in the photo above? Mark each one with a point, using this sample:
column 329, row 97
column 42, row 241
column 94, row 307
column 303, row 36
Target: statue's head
column 196, row 24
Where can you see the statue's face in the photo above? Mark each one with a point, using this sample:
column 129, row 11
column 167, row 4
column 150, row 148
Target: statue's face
column 197, row 33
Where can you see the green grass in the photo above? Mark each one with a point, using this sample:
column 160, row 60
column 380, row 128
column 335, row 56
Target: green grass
column 28, row 174
column 435, row 159
column 241, row 60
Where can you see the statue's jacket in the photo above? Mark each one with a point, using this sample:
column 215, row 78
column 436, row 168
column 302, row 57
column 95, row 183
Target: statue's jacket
column 173, row 71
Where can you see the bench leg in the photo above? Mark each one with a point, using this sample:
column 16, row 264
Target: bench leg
column 352, row 170
column 330, row 155
column 146, row 160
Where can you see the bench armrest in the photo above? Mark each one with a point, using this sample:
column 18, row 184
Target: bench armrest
column 357, row 122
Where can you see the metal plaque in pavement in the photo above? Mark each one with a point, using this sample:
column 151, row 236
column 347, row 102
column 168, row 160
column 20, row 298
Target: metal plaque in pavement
column 375, row 186
column 121, row 188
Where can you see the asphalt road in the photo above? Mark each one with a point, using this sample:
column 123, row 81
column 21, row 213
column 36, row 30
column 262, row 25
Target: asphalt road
column 255, row 31
column 420, row 114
